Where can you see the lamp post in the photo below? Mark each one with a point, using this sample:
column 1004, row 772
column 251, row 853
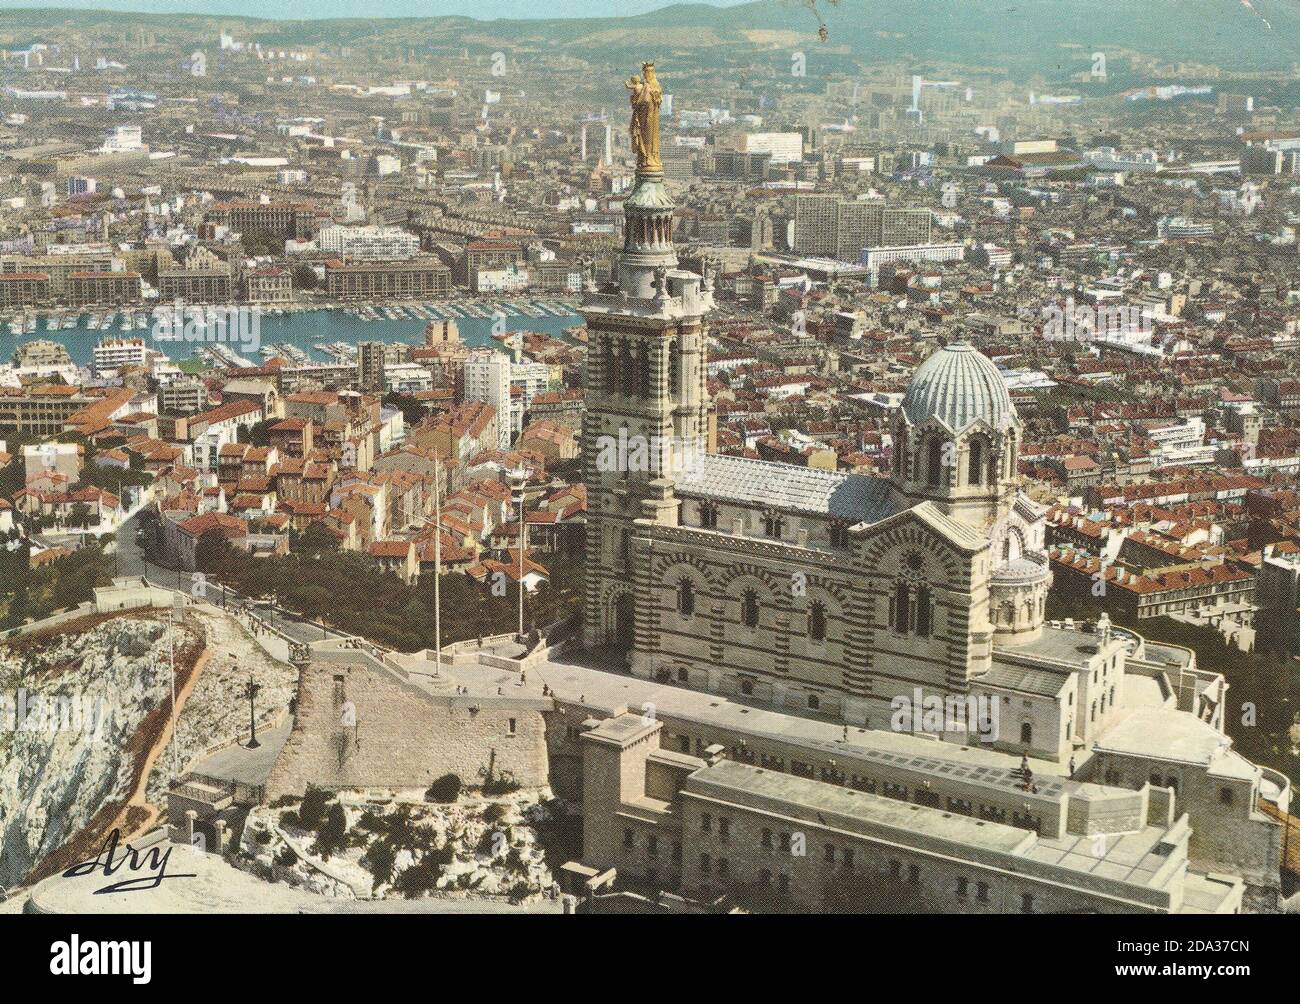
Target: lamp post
column 251, row 691
column 437, row 566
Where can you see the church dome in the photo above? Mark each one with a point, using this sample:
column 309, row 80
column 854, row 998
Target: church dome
column 958, row 385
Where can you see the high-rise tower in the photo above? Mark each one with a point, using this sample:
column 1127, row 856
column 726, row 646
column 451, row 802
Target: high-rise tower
column 646, row 415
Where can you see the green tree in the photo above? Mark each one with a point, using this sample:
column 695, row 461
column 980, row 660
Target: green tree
column 304, row 276
column 312, row 810
column 379, row 860
column 332, row 837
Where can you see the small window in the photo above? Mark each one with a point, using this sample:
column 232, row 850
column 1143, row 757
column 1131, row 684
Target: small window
column 747, row 687
column 723, row 867
column 1225, row 796
column 814, row 701
column 652, row 846
column 934, row 463
column 817, row 621
column 1027, row 903
column 913, row 874
column 924, row 611
column 1027, row 734
column 975, row 469
column 749, row 609
column 767, row 837
column 683, row 675
column 686, row 597
column 963, row 887
column 629, row 839
column 902, row 608
column 512, row 726
column 724, row 828
column 847, row 857
column 830, row 854
column 895, row 870
column 706, row 823
column 982, row 891
column 706, row 865
column 709, row 515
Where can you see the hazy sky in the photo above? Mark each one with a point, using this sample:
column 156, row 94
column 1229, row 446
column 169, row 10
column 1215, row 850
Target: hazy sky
column 309, row 9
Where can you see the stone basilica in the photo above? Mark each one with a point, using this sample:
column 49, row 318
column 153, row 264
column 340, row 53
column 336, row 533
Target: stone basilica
column 804, row 588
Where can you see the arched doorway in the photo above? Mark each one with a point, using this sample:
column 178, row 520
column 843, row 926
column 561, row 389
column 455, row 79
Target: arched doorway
column 624, row 623
column 205, row 837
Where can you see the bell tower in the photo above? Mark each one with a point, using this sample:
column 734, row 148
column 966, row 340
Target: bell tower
column 646, row 416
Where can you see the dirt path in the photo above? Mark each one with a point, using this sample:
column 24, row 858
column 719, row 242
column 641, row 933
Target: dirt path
column 129, row 819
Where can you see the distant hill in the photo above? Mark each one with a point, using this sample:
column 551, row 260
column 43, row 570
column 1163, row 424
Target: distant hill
column 1028, row 35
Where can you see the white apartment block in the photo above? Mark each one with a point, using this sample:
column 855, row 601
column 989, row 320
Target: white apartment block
column 487, row 376
column 113, row 354
column 873, row 258
column 785, row 147
column 368, row 243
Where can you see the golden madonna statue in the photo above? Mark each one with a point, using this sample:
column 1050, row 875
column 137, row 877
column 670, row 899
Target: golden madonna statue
column 646, row 98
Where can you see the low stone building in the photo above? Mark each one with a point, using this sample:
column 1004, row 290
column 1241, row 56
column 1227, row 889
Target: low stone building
column 780, row 841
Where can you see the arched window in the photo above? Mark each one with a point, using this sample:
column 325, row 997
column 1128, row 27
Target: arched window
column 686, row 597
column 975, row 465
column 1027, row 733
column 773, row 524
column 607, row 362
column 902, row 608
column 924, row 611
column 643, row 380
column 674, row 368
column 817, row 621
column 814, row 701
column 934, row 463
column 749, row 609
column 709, row 515
column 626, row 373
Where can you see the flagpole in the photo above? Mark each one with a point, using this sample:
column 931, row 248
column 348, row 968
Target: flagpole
column 522, row 544
column 437, row 565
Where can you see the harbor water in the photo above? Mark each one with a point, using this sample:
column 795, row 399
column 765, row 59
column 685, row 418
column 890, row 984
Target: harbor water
column 314, row 334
